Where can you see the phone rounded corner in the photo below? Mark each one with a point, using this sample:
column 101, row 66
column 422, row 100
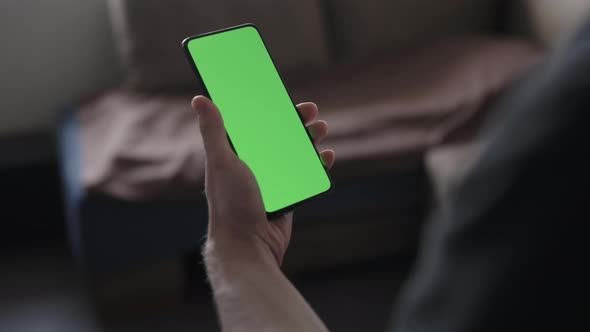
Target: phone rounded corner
column 274, row 214
column 329, row 189
column 184, row 43
column 250, row 25
column 329, row 178
column 330, row 186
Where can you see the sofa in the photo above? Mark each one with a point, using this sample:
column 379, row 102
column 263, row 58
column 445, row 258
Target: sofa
column 395, row 80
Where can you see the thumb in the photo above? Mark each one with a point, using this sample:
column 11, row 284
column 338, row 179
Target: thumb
column 213, row 132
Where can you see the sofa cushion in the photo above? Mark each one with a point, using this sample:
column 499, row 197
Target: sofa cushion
column 363, row 28
column 149, row 32
column 387, row 110
column 382, row 114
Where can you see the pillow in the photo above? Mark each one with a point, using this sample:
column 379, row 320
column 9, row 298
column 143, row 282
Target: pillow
column 149, row 32
column 367, row 27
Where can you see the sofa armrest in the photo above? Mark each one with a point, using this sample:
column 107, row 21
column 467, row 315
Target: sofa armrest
column 549, row 22
column 446, row 165
column 68, row 149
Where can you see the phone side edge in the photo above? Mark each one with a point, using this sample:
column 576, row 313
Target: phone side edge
column 193, row 65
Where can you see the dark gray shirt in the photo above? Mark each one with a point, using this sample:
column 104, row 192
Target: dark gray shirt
column 510, row 250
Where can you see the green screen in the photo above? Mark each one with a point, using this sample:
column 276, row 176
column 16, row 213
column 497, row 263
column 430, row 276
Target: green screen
column 260, row 117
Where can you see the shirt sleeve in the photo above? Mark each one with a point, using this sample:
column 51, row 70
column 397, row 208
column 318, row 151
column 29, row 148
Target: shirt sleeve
column 507, row 251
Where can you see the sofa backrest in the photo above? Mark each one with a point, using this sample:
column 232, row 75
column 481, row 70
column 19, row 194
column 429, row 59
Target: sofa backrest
column 363, row 28
column 300, row 33
column 149, row 32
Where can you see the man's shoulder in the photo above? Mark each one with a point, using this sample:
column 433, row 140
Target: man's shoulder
column 549, row 105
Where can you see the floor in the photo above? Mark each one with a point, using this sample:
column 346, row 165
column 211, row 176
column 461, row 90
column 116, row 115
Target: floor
column 40, row 290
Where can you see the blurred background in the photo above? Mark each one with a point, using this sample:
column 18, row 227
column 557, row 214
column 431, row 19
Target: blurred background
column 101, row 162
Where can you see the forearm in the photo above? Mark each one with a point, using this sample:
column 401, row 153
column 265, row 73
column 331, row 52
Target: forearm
column 252, row 294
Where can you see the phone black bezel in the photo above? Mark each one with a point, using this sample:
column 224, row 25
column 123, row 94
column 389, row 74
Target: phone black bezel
column 274, row 214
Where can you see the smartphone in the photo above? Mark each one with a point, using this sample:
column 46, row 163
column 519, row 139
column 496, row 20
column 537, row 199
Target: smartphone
column 261, row 120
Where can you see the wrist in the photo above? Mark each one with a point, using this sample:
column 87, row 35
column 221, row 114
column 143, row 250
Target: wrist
column 237, row 265
column 221, row 253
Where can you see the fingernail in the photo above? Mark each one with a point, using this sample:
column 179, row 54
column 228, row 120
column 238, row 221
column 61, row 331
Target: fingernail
column 198, row 105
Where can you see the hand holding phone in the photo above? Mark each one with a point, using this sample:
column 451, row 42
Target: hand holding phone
column 238, row 225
